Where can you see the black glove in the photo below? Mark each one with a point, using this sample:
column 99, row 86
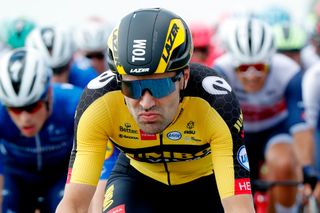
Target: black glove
column 310, row 176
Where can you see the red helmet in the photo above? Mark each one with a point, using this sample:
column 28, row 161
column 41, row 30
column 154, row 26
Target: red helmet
column 201, row 34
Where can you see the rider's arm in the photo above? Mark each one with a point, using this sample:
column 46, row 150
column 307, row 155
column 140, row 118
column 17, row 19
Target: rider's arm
column 229, row 157
column 238, row 204
column 304, row 146
column 302, row 133
column 87, row 157
column 76, row 198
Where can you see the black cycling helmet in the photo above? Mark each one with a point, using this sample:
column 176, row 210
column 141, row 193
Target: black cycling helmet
column 149, row 41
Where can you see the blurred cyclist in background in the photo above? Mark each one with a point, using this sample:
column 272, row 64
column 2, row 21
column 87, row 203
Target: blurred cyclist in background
column 290, row 39
column 310, row 55
column 56, row 45
column 37, row 120
column 268, row 86
column 90, row 39
column 311, row 101
column 15, row 31
column 206, row 45
column 275, row 14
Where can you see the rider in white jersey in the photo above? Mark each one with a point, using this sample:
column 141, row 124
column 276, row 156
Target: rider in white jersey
column 311, row 101
column 310, row 54
column 268, row 86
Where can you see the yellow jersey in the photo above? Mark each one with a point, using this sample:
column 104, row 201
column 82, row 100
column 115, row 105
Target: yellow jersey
column 205, row 137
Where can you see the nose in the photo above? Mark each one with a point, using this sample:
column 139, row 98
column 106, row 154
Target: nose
column 147, row 101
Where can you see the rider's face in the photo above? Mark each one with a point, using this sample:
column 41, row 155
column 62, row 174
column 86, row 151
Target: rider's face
column 252, row 76
column 30, row 121
column 153, row 114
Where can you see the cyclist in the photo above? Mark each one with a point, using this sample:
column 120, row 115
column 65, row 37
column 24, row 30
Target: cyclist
column 150, row 110
column 290, row 39
column 37, row 117
column 268, row 86
column 310, row 54
column 56, row 45
column 206, row 47
column 275, row 14
column 15, row 31
column 90, row 39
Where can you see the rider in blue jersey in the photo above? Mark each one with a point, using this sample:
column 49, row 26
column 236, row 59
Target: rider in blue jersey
column 56, row 45
column 37, row 132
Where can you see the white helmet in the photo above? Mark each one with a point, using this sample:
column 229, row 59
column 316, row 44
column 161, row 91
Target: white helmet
column 55, row 43
column 92, row 36
column 250, row 40
column 24, row 77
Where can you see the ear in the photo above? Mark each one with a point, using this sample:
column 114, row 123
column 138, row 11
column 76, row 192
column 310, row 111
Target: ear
column 186, row 76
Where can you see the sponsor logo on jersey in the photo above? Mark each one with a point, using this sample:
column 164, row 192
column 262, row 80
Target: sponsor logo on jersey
column 127, row 128
column 242, row 158
column 169, row 156
column 191, row 139
column 190, row 126
column 118, row 209
column 101, row 81
column 242, row 186
column 107, row 202
column 147, row 136
column 174, row 135
column 239, row 123
column 128, row 137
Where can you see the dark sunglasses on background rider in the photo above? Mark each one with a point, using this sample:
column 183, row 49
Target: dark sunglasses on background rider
column 96, row 55
column 32, row 108
column 259, row 67
column 158, row 88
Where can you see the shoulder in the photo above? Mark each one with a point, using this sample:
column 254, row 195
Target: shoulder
column 65, row 89
column 98, row 87
column 208, row 84
column 284, row 69
column 312, row 75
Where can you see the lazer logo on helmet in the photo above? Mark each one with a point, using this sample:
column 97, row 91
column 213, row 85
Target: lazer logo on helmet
column 170, row 40
column 115, row 47
column 139, row 70
column 139, row 50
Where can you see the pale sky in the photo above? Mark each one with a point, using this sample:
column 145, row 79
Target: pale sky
column 73, row 11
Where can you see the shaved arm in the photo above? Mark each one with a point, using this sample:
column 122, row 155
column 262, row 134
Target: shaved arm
column 238, row 204
column 76, row 198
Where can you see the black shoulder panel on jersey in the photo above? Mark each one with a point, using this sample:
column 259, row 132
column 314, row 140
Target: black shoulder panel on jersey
column 207, row 84
column 95, row 89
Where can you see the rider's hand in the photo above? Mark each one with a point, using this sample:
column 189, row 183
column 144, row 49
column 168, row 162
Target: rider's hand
column 310, row 176
column 316, row 192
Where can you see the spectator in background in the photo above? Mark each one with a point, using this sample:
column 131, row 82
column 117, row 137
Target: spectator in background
column 206, row 45
column 36, row 134
column 56, row 45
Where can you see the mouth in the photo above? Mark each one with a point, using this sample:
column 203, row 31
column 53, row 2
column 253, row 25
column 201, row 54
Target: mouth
column 149, row 117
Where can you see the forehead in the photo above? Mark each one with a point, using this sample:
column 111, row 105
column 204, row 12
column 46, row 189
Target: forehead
column 153, row 76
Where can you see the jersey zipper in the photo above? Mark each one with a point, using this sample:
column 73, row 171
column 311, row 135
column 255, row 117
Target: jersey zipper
column 39, row 153
column 164, row 161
